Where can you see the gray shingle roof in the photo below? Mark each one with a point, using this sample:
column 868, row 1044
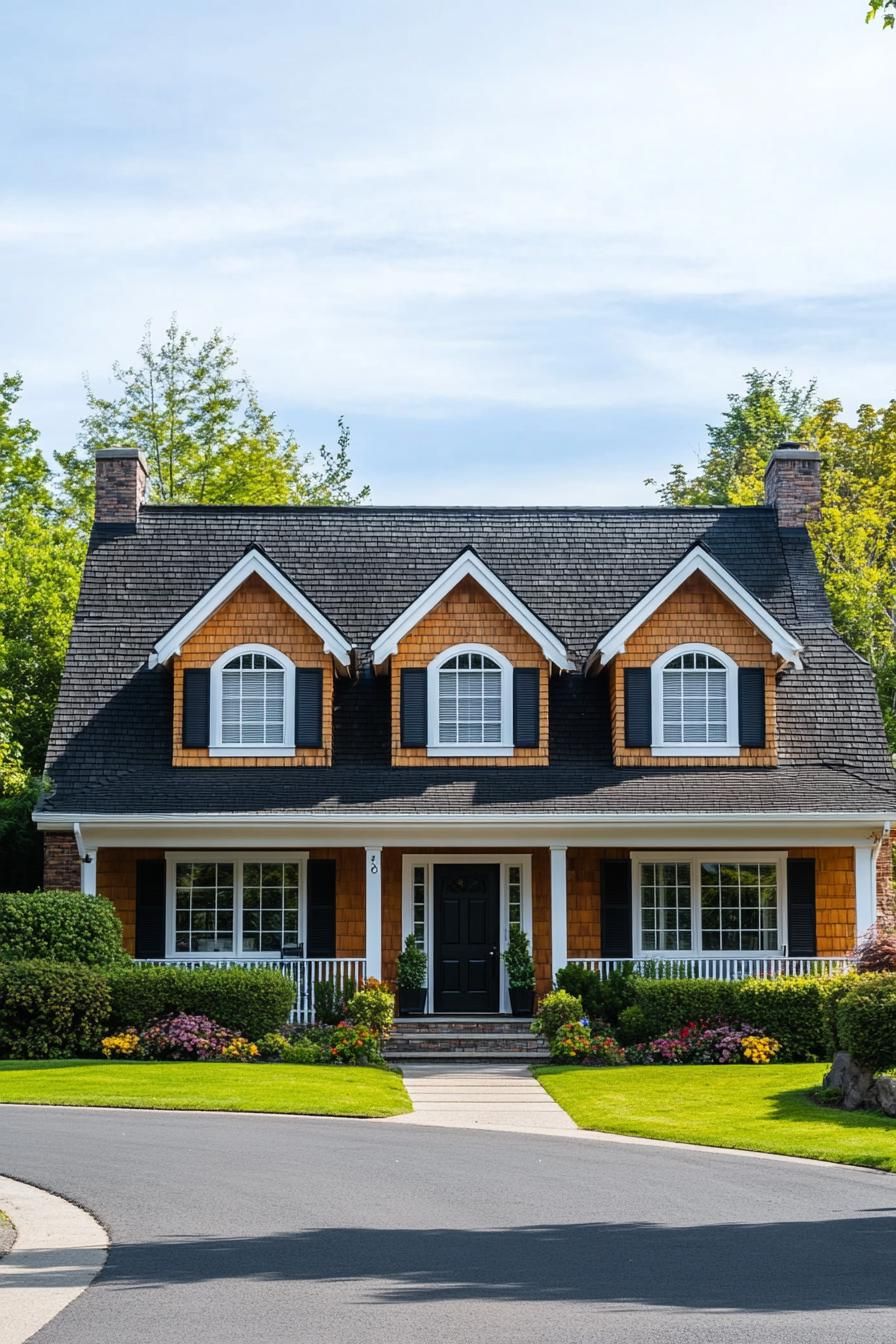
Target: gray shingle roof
column 579, row 570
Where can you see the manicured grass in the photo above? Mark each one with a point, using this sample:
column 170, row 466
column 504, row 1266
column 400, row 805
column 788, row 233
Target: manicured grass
column 765, row 1107
column 292, row 1089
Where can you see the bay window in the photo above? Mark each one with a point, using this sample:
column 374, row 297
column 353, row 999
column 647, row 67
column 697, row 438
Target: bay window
column 709, row 903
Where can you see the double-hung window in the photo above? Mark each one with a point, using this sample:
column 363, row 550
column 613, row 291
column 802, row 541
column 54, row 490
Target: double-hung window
column 694, row 711
column 709, row 903
column 235, row 904
column 253, row 703
column 469, row 695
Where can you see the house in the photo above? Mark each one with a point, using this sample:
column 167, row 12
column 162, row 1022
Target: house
column 298, row 734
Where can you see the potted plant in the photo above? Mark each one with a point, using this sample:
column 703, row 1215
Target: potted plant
column 520, row 973
column 410, row 976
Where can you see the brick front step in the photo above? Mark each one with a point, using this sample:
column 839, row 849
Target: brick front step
column 472, row 1026
column 465, row 1057
column 479, row 1039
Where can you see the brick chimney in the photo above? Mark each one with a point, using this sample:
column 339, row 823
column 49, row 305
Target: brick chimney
column 793, row 484
column 121, row 476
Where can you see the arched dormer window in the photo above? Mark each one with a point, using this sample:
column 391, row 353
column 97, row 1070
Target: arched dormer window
column 469, row 693
column 252, row 702
column 694, row 689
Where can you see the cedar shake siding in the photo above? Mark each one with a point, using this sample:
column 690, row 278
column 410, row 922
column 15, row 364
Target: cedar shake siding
column 696, row 613
column 468, row 615
column 253, row 615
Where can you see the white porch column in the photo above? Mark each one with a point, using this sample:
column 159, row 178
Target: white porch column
column 88, row 863
column 866, row 888
column 558, row 907
column 373, row 913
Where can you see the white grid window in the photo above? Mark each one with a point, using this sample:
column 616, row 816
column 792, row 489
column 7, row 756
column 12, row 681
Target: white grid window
column 666, row 916
column 270, row 906
column 203, row 907
column 739, row 907
column 515, row 897
column 253, row 701
column 470, row 700
column 695, row 699
column 418, row 907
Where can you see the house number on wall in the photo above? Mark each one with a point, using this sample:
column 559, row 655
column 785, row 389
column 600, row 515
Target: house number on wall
column 374, row 866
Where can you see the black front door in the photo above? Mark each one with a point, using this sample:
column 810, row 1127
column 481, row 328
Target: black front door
column 466, row 937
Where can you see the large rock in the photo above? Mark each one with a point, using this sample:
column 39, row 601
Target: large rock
column 856, row 1085
column 885, row 1088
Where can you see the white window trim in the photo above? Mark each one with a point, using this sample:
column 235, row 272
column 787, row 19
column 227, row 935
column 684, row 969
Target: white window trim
column 695, row 859
column 217, row 747
column 239, row 859
column 731, row 745
column 502, row 748
column 428, row 862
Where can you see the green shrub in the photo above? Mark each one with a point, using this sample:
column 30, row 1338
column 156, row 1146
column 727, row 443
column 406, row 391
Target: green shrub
column 670, row 1004
column 51, row 1010
column 303, row 1051
column 60, row 926
column 632, row 1026
column 331, row 998
column 793, row 1009
column 271, row 1045
column 517, row 958
column 373, row 1006
column 410, row 965
column 603, row 998
column 252, row 1002
column 866, row 1021
column 554, row 1011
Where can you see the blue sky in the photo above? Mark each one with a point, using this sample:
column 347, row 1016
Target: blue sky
column 525, row 248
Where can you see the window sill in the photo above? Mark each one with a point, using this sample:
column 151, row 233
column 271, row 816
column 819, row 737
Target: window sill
column 252, row 751
column 696, row 749
column 461, row 749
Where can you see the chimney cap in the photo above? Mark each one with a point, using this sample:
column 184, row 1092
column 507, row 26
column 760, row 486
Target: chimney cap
column 111, row 454
column 792, row 451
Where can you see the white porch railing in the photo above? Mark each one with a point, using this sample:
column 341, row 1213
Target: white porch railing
column 716, row 968
column 304, row 972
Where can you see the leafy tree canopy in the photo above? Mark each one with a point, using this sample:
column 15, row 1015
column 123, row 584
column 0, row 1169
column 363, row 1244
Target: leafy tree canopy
column 885, row 8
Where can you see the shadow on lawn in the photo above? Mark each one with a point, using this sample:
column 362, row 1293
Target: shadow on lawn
column 797, row 1104
column 766, row 1267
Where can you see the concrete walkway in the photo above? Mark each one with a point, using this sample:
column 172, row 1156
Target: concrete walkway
column 59, row 1250
column 481, row 1096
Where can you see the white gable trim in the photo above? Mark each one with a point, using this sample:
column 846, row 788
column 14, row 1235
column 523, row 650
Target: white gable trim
column 253, row 562
column 469, row 565
column 697, row 561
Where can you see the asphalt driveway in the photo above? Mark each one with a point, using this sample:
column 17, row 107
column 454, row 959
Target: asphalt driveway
column 248, row 1228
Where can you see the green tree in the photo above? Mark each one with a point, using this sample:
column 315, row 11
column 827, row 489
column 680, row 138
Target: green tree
column 887, row 10
column 855, row 538
column 205, row 435
column 772, row 409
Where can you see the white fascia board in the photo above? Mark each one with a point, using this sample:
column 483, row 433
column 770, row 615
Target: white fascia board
column 469, row 565
column 254, row 562
column 698, row 561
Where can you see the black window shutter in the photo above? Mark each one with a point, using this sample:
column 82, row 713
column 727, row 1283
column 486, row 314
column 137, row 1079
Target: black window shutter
column 309, row 706
column 636, row 687
column 801, row 908
column 526, row 688
column 616, row 908
column 751, row 706
column 321, row 908
column 413, row 707
column 150, row 913
column 197, row 684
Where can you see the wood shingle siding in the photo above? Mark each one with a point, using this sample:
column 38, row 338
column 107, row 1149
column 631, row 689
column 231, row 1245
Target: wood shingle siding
column 255, row 615
column 695, row 613
column 467, row 615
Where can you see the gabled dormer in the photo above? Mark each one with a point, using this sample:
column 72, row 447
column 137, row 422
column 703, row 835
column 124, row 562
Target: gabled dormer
column 253, row 663
column 693, row 669
column 470, row 664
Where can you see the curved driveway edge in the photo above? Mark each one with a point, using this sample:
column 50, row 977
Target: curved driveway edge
column 59, row 1250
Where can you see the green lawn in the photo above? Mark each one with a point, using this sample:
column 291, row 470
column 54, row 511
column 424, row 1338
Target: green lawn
column 292, row 1089
column 764, row 1107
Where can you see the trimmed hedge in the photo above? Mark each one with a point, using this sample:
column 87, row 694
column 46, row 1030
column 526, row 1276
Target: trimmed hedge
column 866, row 1021
column 799, row 1011
column 51, row 1009
column 252, row 1002
column 59, row 926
